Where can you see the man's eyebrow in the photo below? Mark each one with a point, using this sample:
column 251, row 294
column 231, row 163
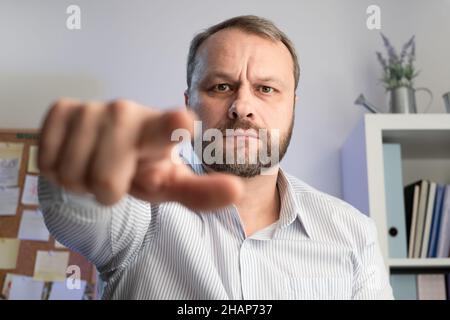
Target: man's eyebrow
column 230, row 78
column 218, row 74
column 272, row 79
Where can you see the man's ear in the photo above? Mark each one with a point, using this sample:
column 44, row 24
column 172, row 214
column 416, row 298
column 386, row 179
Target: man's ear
column 186, row 98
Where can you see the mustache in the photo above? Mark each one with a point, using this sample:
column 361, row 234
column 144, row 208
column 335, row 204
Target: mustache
column 238, row 124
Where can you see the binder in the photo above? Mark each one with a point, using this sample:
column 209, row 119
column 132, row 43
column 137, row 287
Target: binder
column 395, row 206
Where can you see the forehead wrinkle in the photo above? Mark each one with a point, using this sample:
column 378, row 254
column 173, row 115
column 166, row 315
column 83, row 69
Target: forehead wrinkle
column 220, row 52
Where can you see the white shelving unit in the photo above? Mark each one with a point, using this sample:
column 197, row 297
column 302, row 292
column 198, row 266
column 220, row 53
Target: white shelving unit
column 425, row 144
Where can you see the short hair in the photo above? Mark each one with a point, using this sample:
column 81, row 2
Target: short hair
column 248, row 23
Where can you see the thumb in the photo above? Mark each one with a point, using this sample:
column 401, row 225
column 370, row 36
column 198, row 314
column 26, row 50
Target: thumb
column 206, row 192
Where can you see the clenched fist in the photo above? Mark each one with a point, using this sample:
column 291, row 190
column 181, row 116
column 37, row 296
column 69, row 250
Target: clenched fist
column 111, row 149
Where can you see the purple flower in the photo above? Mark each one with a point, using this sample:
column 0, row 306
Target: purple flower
column 405, row 48
column 382, row 60
column 392, row 54
column 412, row 54
column 398, row 70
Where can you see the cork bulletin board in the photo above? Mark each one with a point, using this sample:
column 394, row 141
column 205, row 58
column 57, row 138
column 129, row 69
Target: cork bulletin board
column 9, row 225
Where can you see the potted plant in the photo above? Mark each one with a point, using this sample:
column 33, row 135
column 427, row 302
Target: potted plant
column 398, row 75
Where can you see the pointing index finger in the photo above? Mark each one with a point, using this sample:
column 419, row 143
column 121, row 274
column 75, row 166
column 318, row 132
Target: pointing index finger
column 157, row 130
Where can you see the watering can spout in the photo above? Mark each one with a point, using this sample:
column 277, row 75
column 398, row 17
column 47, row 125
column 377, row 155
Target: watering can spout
column 361, row 100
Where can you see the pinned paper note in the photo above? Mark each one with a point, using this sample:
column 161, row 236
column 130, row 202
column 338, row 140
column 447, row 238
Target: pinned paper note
column 51, row 265
column 60, row 291
column 7, row 285
column 9, row 250
column 59, row 245
column 10, row 160
column 30, row 190
column 32, row 159
column 9, row 200
column 32, row 226
column 25, row 288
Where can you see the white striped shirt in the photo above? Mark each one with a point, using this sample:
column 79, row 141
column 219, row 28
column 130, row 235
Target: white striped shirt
column 320, row 248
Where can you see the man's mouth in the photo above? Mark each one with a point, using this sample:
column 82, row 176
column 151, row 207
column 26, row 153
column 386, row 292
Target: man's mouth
column 249, row 133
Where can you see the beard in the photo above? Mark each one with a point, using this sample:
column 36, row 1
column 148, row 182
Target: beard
column 242, row 164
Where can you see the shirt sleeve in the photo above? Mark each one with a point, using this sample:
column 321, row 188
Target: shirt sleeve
column 371, row 277
column 108, row 236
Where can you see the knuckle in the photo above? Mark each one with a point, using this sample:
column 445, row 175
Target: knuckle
column 58, row 113
column 83, row 115
column 119, row 106
column 54, row 113
column 83, row 112
column 58, row 107
column 121, row 114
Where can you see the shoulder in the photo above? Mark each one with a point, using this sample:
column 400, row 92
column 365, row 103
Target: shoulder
column 331, row 218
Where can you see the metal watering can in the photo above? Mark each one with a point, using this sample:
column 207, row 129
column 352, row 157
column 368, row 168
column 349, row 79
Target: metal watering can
column 446, row 98
column 402, row 100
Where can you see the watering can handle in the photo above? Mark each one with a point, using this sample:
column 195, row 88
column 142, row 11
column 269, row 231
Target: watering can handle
column 431, row 97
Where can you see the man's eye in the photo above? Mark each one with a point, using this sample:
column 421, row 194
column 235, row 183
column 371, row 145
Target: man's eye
column 222, row 87
column 266, row 89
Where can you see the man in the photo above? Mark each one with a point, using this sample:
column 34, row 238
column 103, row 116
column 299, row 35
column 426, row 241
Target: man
column 160, row 229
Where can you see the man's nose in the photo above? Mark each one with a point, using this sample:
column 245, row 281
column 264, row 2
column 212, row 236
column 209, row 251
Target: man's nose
column 242, row 107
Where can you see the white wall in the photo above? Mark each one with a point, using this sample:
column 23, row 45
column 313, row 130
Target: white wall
column 137, row 50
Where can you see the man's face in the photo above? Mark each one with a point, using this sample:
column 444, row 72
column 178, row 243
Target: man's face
column 244, row 81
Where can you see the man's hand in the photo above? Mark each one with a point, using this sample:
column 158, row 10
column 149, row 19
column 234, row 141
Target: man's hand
column 113, row 149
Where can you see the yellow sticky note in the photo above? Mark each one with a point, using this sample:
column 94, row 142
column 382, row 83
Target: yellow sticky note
column 11, row 150
column 51, row 265
column 32, row 160
column 9, row 250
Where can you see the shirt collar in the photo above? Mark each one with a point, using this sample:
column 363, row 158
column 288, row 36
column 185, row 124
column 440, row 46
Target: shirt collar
column 290, row 206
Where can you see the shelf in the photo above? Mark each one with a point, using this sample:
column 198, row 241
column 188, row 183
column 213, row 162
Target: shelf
column 425, row 141
column 436, row 121
column 431, row 263
column 420, row 143
column 421, row 135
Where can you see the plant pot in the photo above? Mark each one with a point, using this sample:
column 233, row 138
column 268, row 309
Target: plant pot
column 403, row 99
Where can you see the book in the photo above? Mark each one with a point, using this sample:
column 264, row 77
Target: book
column 421, row 210
column 395, row 206
column 431, row 287
column 411, row 194
column 443, row 246
column 428, row 219
column 435, row 225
